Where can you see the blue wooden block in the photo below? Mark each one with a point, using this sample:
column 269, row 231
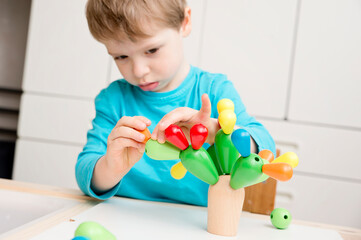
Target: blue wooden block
column 242, row 141
column 81, row 238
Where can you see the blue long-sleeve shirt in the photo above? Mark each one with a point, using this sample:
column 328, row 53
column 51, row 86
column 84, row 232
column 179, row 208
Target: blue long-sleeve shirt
column 150, row 179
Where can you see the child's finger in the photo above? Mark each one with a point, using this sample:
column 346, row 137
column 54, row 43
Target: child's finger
column 132, row 122
column 182, row 114
column 206, row 109
column 141, row 147
column 161, row 137
column 121, row 143
column 155, row 133
column 177, row 115
column 126, row 132
column 144, row 119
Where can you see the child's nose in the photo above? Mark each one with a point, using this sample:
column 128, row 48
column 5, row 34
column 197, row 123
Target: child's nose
column 140, row 69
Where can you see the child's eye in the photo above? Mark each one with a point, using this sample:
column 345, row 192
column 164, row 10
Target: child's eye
column 120, row 57
column 153, row 50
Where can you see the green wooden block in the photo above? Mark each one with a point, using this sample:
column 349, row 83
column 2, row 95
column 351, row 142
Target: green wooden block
column 246, row 171
column 161, row 151
column 199, row 163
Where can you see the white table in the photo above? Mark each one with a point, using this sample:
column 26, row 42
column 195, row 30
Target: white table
column 138, row 219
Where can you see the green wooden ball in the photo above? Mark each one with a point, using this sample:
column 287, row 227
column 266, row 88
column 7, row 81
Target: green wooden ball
column 281, row 218
column 94, row 231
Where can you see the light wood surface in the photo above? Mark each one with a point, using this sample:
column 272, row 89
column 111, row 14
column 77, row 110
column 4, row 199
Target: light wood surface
column 35, row 227
column 86, row 203
column 260, row 198
column 38, row 227
column 224, row 207
column 43, row 189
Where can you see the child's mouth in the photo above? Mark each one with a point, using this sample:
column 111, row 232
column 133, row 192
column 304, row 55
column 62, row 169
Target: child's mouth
column 149, row 86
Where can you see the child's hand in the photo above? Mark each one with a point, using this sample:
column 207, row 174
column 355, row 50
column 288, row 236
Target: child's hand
column 125, row 144
column 124, row 149
column 185, row 118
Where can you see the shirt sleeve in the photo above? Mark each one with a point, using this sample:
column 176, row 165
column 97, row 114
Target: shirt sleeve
column 223, row 88
column 96, row 146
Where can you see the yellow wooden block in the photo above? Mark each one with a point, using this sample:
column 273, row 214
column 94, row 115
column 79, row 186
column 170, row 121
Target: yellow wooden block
column 225, row 104
column 178, row 171
column 227, row 119
column 289, row 157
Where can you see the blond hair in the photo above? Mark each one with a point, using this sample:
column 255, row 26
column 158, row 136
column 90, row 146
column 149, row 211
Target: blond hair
column 119, row 19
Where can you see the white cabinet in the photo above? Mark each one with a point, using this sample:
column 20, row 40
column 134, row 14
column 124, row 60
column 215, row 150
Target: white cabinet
column 251, row 42
column 192, row 44
column 55, row 118
column 62, row 57
column 114, row 72
column 46, row 163
column 326, row 185
column 327, row 73
column 322, row 150
column 324, row 200
column 65, row 68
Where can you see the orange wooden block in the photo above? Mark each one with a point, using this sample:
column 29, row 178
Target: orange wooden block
column 279, row 171
column 266, row 155
column 146, row 133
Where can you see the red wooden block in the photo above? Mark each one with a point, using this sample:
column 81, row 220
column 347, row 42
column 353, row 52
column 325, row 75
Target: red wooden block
column 199, row 134
column 175, row 135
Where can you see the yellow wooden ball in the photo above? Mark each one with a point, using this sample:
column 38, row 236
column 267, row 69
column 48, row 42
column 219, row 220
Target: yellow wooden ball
column 225, row 104
column 227, row 119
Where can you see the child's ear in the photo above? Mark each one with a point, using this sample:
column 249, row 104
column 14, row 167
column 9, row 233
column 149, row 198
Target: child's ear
column 187, row 22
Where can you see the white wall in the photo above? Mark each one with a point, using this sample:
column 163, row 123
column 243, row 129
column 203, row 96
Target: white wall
column 295, row 63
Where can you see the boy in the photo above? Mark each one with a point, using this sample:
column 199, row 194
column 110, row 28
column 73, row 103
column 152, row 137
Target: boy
column 159, row 88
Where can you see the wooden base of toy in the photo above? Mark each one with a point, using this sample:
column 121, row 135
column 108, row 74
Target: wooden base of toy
column 224, row 207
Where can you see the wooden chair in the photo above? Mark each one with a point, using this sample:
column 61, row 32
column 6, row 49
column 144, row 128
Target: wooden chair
column 260, row 198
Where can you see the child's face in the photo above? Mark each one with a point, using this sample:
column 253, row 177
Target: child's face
column 154, row 64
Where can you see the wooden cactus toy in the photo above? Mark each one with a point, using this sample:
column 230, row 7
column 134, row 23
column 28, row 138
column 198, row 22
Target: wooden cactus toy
column 194, row 157
column 228, row 165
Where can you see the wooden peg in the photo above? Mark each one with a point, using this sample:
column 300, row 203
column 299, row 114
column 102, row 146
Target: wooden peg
column 224, row 207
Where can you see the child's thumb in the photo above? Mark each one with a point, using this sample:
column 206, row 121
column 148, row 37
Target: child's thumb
column 206, row 108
